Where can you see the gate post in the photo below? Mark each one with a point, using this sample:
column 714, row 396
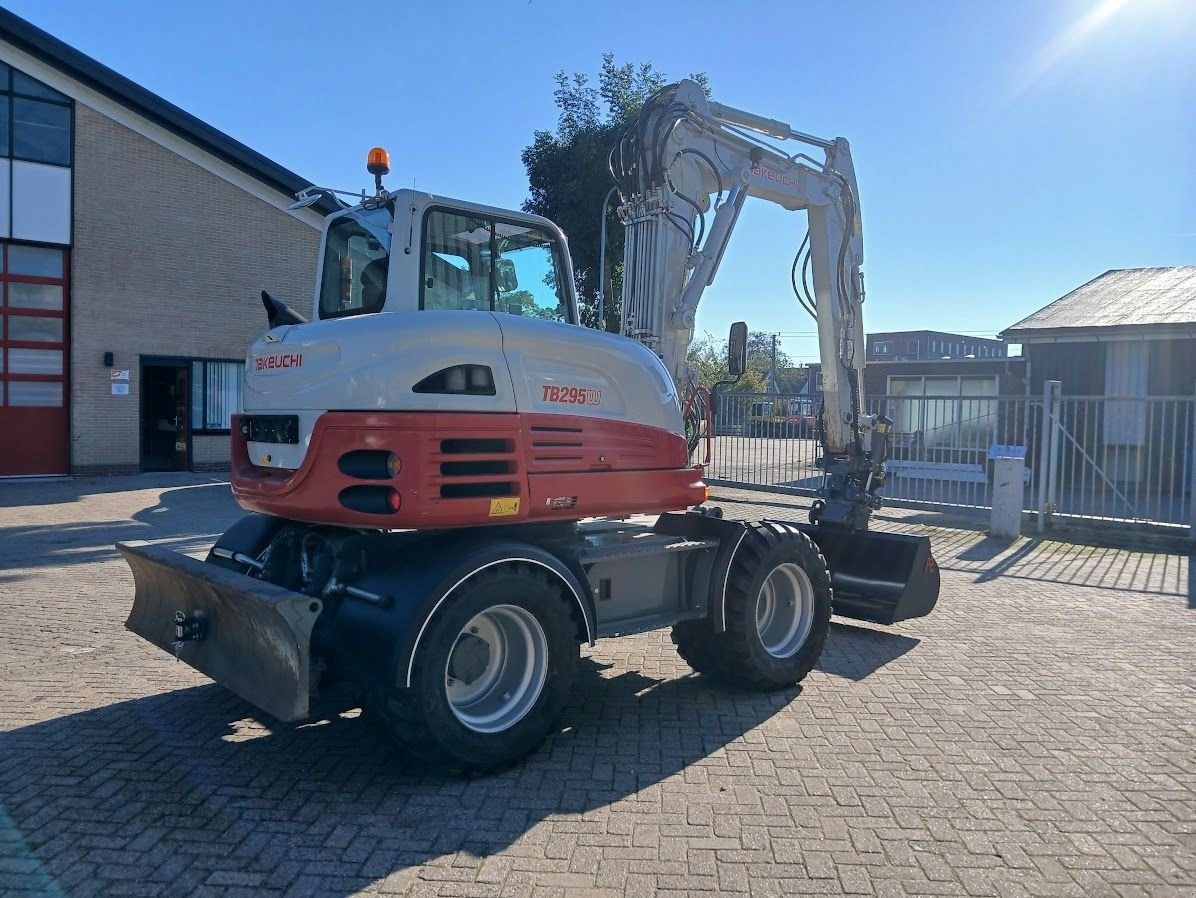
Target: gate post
column 1005, row 522
column 1048, row 451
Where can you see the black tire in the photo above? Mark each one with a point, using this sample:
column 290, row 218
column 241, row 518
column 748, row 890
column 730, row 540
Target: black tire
column 739, row 655
column 697, row 645
column 422, row 720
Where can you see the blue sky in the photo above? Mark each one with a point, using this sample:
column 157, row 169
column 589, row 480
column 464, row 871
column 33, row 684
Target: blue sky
column 1006, row 152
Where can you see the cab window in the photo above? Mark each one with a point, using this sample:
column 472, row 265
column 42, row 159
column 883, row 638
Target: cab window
column 356, row 256
column 477, row 263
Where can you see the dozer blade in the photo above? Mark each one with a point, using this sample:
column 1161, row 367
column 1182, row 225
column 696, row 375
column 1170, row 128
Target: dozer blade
column 250, row 636
column 878, row 577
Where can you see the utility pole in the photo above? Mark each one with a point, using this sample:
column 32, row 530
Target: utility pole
column 773, row 378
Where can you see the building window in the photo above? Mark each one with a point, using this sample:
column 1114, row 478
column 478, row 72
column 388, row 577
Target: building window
column 35, row 120
column 880, row 348
column 32, row 325
column 946, row 412
column 215, row 394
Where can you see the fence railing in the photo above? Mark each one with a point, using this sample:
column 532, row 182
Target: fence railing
column 1124, row 459
column 1088, row 457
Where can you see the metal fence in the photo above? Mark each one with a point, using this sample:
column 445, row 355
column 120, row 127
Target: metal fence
column 1117, row 459
column 1089, row 457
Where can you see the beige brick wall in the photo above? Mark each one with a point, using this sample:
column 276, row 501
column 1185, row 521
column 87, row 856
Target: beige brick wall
column 168, row 260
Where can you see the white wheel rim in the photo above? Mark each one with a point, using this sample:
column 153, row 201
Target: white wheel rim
column 785, row 610
column 490, row 690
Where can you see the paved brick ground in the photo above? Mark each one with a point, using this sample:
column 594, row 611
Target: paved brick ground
column 1033, row 737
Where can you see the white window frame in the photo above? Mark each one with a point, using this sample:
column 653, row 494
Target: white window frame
column 198, row 375
column 955, row 439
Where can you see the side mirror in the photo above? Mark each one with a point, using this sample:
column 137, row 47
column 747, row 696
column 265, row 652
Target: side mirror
column 737, row 349
column 504, row 276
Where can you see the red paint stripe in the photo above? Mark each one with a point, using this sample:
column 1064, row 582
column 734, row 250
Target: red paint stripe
column 559, row 467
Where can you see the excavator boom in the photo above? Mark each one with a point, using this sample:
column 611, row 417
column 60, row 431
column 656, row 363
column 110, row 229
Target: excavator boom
column 685, row 156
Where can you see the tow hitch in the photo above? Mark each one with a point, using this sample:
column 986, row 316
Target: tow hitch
column 191, row 627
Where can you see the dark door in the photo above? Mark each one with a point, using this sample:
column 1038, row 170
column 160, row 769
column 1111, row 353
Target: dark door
column 165, row 419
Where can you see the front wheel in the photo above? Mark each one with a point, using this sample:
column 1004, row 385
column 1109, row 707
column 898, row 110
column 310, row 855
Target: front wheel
column 778, row 611
column 490, row 676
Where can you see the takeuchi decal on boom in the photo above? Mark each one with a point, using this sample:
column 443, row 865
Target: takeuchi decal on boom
column 777, row 177
column 275, row 362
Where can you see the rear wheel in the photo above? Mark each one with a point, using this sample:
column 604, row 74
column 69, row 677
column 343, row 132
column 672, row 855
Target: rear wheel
column 778, row 610
column 490, row 676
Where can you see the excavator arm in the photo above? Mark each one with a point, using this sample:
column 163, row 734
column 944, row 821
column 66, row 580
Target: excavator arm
column 685, row 157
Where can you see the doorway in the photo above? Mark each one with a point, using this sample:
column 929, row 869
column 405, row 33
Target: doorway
column 165, row 417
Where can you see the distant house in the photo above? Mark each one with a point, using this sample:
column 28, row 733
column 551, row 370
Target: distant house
column 908, row 346
column 934, row 363
column 1126, row 339
column 1129, row 332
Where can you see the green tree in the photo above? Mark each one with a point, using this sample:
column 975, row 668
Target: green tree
column 568, row 175
column 708, row 355
column 523, row 302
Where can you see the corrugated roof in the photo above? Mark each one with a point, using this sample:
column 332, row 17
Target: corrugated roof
column 50, row 50
column 1130, row 298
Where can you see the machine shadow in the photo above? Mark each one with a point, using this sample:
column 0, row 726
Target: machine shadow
column 172, row 520
column 855, row 653
column 193, row 772
column 35, row 491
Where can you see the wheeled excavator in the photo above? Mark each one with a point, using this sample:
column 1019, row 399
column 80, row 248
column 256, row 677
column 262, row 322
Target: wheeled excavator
column 452, row 485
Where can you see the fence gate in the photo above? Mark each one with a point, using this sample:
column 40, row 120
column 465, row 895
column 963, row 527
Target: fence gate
column 1087, row 457
column 1117, row 459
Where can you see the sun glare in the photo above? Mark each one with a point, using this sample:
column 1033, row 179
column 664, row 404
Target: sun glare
column 1069, row 41
column 1177, row 13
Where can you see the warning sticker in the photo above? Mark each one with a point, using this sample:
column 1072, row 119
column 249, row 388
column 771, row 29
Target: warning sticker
column 503, row 508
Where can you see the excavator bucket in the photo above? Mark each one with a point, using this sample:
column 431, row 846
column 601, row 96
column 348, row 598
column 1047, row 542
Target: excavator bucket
column 250, row 636
column 879, row 577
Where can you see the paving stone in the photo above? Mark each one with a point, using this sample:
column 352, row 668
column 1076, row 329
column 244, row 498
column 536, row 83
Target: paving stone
column 1032, row 737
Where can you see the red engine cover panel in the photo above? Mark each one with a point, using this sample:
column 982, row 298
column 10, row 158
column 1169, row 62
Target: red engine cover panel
column 466, row 469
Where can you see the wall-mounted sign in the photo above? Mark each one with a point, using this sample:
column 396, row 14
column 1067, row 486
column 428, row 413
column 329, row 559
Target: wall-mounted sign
column 120, row 373
column 120, row 389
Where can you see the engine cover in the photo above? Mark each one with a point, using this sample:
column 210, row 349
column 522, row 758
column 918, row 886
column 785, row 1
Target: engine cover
column 375, row 363
column 450, row 419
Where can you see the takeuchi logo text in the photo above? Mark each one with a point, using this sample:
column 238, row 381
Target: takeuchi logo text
column 778, row 177
column 273, row 362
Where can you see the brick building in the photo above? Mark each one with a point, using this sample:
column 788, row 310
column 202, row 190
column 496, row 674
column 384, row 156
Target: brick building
column 910, row 346
column 135, row 240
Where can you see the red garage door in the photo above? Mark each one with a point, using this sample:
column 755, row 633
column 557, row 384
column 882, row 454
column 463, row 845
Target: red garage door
column 33, row 361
